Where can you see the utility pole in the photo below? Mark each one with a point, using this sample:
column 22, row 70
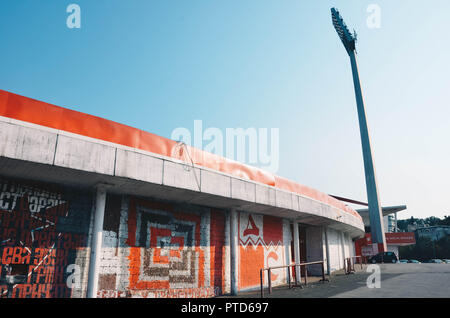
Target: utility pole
column 375, row 213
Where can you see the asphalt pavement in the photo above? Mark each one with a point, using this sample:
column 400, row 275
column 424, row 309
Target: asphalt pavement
column 396, row 281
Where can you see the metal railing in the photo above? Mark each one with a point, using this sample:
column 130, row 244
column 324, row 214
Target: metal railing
column 349, row 263
column 269, row 275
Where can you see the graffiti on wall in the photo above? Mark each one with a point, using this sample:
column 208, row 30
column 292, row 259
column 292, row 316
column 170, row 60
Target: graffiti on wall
column 172, row 251
column 40, row 239
column 261, row 246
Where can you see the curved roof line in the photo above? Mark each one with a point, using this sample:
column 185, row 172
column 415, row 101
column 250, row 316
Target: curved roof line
column 45, row 114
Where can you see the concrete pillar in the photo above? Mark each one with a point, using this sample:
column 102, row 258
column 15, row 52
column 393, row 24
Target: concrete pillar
column 287, row 237
column 327, row 250
column 343, row 247
column 96, row 243
column 297, row 249
column 234, row 251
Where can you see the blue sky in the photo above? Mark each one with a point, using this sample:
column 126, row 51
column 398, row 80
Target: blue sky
column 159, row 65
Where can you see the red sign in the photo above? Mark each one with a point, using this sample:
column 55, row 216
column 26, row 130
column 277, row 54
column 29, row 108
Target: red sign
column 363, row 246
column 402, row 238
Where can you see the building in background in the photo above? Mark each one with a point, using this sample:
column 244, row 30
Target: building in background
column 390, row 223
column 434, row 233
column 394, row 239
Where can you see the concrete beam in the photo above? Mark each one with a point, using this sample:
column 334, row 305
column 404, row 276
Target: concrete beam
column 283, row 199
column 138, row 166
column 180, row 175
column 215, row 183
column 310, row 206
column 24, row 143
column 243, row 190
column 264, row 195
column 84, row 155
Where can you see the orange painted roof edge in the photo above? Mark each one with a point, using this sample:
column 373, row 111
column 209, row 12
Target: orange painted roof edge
column 48, row 115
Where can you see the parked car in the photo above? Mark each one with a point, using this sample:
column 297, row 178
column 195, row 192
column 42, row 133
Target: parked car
column 434, row 260
column 403, row 261
column 384, row 257
column 446, row 261
column 414, row 261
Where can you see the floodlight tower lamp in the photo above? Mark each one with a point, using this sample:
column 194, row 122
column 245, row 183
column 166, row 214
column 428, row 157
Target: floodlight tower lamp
column 344, row 34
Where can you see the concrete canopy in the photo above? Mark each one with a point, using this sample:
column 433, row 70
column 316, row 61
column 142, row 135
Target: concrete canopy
column 38, row 152
column 385, row 210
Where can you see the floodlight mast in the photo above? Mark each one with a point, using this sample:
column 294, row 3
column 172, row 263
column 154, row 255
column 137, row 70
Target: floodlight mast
column 375, row 214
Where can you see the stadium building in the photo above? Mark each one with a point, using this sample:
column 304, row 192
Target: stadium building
column 94, row 208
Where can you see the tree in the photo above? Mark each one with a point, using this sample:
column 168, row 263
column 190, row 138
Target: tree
column 445, row 221
column 443, row 248
column 432, row 221
column 422, row 250
column 403, row 224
